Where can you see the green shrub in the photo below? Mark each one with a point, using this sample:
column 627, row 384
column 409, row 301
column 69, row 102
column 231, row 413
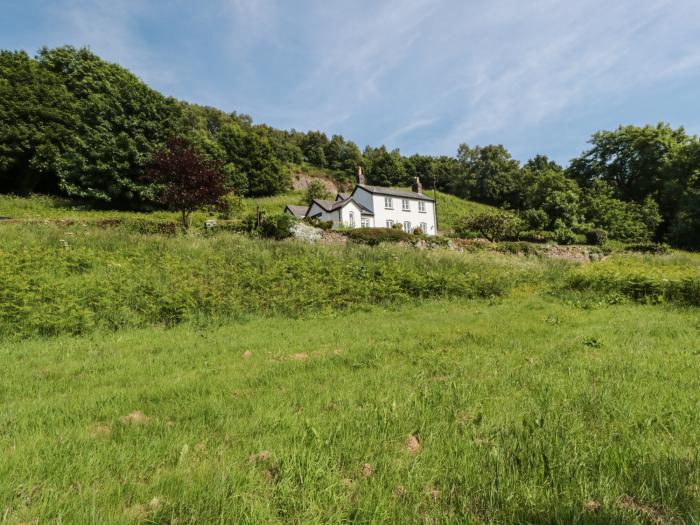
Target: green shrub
column 318, row 223
column 596, row 237
column 536, row 219
column 494, row 226
column 277, row 226
column 650, row 247
column 539, row 236
column 232, row 205
column 374, row 236
column 565, row 236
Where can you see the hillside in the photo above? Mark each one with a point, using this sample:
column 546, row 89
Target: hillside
column 40, row 207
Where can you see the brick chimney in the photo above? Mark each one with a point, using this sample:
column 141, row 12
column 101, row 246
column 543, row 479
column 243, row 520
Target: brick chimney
column 360, row 176
column 417, row 186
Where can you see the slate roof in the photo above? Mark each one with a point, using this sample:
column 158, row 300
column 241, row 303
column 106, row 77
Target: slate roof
column 332, row 206
column 298, row 211
column 343, row 196
column 326, row 205
column 391, row 192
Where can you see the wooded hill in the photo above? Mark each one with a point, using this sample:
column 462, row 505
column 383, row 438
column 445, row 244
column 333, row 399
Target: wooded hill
column 72, row 124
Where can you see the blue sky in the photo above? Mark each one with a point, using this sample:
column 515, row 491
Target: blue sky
column 538, row 76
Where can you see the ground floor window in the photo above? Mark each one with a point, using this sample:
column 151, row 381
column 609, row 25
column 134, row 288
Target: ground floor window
column 365, row 223
column 407, row 226
column 351, row 218
column 389, row 224
column 424, row 227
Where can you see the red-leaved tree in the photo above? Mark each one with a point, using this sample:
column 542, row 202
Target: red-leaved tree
column 188, row 181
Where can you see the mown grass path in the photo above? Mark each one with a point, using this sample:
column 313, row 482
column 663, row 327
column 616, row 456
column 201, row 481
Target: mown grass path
column 524, row 410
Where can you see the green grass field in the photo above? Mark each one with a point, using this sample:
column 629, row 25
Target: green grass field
column 213, row 378
column 517, row 411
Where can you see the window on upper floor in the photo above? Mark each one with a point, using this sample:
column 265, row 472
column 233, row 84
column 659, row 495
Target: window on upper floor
column 388, row 203
column 421, row 206
column 405, row 205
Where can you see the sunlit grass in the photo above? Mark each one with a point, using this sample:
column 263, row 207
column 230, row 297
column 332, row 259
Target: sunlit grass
column 525, row 411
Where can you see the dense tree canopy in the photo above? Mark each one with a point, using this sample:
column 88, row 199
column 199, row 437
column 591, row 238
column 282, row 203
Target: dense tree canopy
column 38, row 125
column 639, row 163
column 490, row 173
column 384, row 168
column 121, row 123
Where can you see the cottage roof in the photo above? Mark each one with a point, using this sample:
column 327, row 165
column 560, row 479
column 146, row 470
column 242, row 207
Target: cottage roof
column 297, row 211
column 332, row 206
column 391, row 192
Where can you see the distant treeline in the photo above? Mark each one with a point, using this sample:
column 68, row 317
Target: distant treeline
column 75, row 125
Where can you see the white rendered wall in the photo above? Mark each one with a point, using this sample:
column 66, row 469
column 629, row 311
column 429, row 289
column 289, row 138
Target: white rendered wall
column 415, row 217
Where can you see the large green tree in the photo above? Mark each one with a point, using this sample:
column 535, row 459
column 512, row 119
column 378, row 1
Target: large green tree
column 544, row 190
column 314, row 144
column 490, row 174
column 639, row 163
column 122, row 122
column 39, row 124
column 625, row 221
column 250, row 155
column 384, row 168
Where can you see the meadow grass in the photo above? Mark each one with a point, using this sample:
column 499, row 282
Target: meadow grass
column 58, row 279
column 673, row 277
column 197, row 378
column 521, row 410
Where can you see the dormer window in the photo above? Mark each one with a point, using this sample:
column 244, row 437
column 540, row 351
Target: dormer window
column 388, row 203
column 405, row 205
column 421, row 206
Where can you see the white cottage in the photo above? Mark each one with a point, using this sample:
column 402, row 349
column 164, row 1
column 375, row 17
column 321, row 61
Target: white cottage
column 375, row 207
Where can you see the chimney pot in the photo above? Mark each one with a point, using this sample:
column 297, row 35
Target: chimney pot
column 417, row 186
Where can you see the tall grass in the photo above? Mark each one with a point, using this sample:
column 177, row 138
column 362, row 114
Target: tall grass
column 77, row 279
column 643, row 278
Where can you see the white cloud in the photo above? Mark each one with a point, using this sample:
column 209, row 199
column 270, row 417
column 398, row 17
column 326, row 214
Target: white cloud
column 476, row 68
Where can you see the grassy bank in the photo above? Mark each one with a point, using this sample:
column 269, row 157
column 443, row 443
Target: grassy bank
column 76, row 279
column 520, row 411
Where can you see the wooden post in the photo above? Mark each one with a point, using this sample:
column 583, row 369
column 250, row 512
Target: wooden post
column 435, row 200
